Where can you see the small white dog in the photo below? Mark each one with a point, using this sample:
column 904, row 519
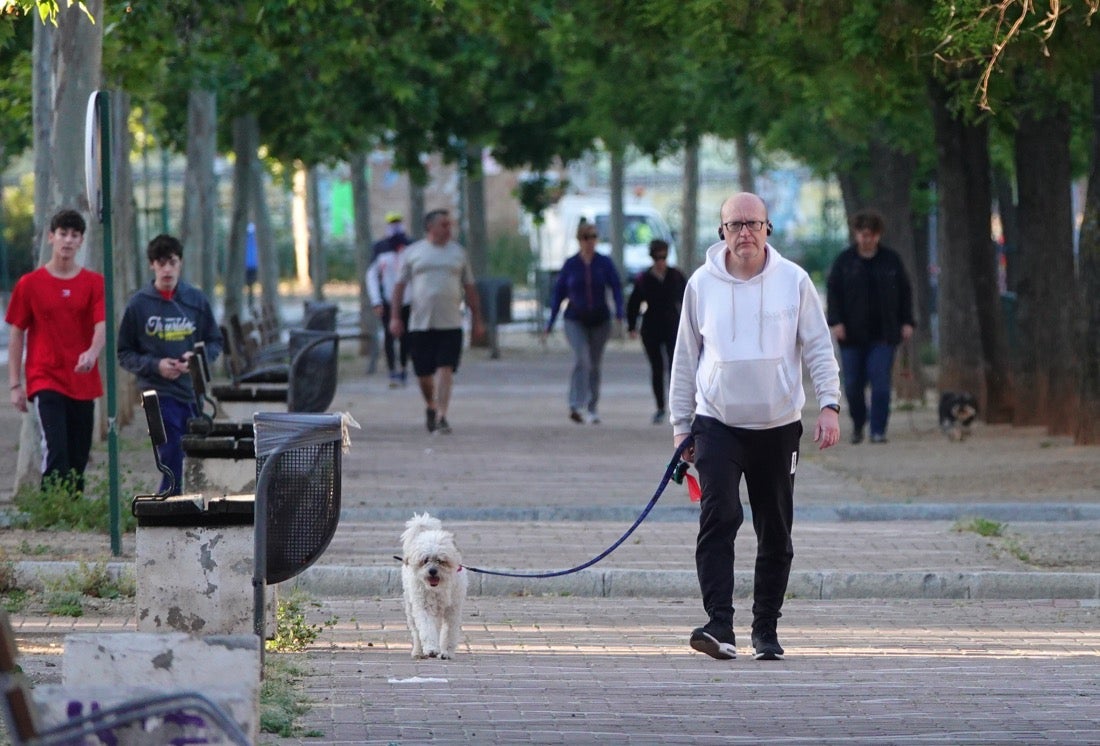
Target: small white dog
column 434, row 583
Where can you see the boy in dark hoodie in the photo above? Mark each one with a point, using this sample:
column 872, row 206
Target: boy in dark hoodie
column 159, row 329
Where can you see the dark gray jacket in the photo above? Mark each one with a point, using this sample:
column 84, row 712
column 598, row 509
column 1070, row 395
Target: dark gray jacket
column 153, row 328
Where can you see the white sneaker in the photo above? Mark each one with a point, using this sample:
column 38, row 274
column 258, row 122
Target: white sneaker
column 591, row 418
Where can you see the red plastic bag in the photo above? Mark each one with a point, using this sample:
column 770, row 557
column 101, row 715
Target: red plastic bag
column 694, row 493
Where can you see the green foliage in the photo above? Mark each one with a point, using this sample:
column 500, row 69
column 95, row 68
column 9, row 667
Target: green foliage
column 292, row 632
column 94, row 581
column 282, row 698
column 7, row 573
column 981, row 527
column 14, row 601
column 58, row 506
column 510, row 256
column 18, row 231
column 64, row 603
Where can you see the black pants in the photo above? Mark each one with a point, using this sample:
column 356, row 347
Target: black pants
column 388, row 339
column 658, row 351
column 767, row 460
column 66, row 435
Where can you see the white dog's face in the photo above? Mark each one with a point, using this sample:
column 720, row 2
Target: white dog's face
column 434, row 558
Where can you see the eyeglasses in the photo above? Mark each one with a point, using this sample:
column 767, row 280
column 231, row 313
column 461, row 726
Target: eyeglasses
column 587, row 236
column 735, row 226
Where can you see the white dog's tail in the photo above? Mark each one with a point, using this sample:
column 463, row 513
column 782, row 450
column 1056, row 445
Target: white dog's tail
column 419, row 523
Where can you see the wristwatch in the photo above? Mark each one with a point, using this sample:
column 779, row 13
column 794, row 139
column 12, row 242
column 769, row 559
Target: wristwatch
column 834, row 407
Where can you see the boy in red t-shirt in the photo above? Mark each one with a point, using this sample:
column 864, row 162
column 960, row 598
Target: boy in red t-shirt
column 57, row 312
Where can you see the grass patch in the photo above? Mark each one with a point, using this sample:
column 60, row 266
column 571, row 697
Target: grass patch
column 293, row 633
column 981, row 527
column 282, row 698
column 65, row 596
column 58, row 506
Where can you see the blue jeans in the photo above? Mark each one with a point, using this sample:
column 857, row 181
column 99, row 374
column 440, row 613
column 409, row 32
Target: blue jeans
column 868, row 364
column 587, row 343
column 175, row 414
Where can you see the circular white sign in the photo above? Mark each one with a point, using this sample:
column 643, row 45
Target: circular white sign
column 93, row 158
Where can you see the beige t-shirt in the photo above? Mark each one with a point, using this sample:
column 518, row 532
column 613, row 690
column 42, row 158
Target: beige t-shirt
column 435, row 278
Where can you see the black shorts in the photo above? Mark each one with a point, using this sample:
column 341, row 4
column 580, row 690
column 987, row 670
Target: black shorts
column 434, row 348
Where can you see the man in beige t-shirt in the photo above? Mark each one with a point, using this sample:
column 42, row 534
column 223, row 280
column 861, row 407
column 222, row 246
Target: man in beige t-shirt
column 437, row 273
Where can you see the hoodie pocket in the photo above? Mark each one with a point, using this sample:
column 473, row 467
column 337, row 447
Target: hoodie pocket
column 749, row 392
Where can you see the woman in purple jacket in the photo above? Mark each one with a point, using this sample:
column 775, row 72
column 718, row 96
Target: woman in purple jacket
column 584, row 280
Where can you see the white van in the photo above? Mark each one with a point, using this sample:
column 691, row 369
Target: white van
column 556, row 239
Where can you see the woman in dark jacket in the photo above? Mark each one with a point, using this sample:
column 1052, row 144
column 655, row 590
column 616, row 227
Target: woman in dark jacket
column 661, row 288
column 870, row 310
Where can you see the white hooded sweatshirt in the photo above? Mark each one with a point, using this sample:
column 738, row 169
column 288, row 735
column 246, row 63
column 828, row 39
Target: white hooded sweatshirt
column 741, row 345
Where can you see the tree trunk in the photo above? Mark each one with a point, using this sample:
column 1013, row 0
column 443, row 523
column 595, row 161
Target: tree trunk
column 244, row 148
column 123, row 241
column 77, row 66
column 266, row 253
column 1047, row 287
column 1088, row 422
column 690, row 209
column 300, row 228
column 28, row 461
column 617, row 221
column 892, row 173
column 360, row 195
column 42, row 103
column 200, row 193
column 415, row 223
column 477, row 235
column 318, row 268
column 960, row 359
column 746, row 177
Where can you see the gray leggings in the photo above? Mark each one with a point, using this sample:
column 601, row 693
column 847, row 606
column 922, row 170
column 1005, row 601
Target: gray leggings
column 587, row 343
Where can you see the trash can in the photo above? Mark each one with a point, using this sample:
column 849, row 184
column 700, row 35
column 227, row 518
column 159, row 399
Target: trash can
column 496, row 299
column 496, row 308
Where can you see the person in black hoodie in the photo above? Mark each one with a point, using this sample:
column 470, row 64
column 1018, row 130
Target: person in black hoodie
column 159, row 329
column 870, row 311
column 661, row 288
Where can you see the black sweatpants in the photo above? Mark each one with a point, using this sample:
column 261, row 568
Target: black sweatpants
column 767, row 459
column 658, row 351
column 66, row 434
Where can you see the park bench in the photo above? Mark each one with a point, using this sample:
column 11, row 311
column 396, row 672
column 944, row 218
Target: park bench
column 172, row 717
column 298, row 486
column 311, row 384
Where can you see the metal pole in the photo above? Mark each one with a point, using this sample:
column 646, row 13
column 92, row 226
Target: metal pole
column 104, row 107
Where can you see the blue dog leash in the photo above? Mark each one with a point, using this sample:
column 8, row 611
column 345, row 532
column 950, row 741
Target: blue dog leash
column 674, row 472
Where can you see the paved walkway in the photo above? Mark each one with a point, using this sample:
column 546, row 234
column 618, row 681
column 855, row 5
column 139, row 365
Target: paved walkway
column 899, row 629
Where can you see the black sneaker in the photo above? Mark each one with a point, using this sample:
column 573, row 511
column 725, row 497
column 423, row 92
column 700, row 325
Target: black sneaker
column 576, row 416
column 429, row 416
column 444, row 426
column 765, row 645
column 857, row 437
column 715, row 640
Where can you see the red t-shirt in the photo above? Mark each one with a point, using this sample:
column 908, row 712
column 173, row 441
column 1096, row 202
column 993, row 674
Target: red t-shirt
column 59, row 318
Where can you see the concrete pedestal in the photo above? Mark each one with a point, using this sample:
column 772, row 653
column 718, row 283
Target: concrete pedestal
column 197, row 580
column 101, row 670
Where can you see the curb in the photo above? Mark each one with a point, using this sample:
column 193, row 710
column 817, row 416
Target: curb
column 337, row 581
column 850, row 513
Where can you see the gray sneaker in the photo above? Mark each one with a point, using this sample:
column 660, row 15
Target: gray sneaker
column 715, row 640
